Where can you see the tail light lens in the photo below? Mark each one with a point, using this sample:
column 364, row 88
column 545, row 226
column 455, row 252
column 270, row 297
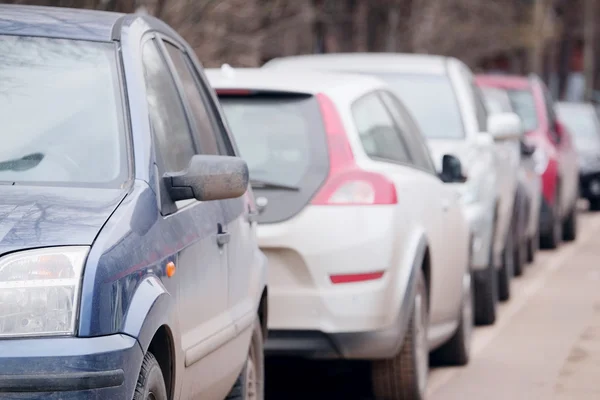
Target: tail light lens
column 352, row 278
column 347, row 184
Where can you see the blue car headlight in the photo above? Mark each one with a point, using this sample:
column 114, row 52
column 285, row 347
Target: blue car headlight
column 39, row 291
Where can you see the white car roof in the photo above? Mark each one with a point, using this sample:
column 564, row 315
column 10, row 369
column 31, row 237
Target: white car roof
column 311, row 82
column 376, row 62
column 574, row 105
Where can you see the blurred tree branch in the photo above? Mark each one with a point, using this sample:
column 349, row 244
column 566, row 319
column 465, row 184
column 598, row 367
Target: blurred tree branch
column 246, row 32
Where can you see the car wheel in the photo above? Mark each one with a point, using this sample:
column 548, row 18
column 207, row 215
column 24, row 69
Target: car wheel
column 506, row 271
column 150, row 383
column 551, row 240
column 485, row 287
column 594, row 204
column 251, row 382
column 486, row 296
column 532, row 247
column 457, row 350
column 404, row 377
column 569, row 228
column 520, row 257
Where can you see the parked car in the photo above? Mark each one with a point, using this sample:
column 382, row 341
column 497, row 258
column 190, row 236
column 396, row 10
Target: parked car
column 529, row 190
column 441, row 94
column 581, row 119
column 556, row 156
column 128, row 267
column 368, row 248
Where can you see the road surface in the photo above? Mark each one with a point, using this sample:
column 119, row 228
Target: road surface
column 545, row 344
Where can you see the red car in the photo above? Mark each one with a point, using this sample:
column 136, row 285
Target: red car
column 556, row 157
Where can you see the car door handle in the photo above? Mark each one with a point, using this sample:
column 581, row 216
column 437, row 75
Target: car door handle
column 252, row 216
column 223, row 238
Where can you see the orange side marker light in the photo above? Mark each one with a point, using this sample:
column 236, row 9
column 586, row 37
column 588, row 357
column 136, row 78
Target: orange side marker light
column 170, row 269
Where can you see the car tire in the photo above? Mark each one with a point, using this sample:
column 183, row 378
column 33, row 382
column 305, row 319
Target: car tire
column 551, row 240
column 250, row 384
column 594, row 204
column 150, row 383
column 485, row 288
column 532, row 247
column 457, row 350
column 569, row 228
column 404, row 377
column 520, row 257
column 506, row 271
column 486, row 297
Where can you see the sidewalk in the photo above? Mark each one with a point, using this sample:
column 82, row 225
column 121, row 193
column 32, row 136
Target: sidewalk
column 548, row 347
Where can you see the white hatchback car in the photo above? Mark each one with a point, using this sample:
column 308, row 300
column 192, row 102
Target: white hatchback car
column 368, row 249
column 442, row 96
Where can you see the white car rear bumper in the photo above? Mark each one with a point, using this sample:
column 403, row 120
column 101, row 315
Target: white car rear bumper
column 310, row 314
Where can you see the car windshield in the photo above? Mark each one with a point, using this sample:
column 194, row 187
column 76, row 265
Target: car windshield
column 274, row 135
column 61, row 112
column 582, row 124
column 523, row 103
column 432, row 102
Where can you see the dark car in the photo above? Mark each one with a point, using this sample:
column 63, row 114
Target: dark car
column 129, row 266
column 582, row 121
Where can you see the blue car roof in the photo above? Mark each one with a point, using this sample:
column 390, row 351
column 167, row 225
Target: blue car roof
column 57, row 22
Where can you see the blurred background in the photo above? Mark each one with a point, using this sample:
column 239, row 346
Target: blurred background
column 556, row 39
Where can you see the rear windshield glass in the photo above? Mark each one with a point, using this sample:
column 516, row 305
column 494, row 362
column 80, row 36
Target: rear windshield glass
column 60, row 113
column 432, row 102
column 496, row 100
column 275, row 135
column 523, row 103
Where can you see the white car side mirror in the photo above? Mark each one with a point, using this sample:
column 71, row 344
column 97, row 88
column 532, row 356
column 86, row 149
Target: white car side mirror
column 505, row 126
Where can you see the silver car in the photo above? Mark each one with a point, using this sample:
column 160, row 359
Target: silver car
column 529, row 191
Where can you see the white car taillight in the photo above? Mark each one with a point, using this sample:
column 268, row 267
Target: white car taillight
column 347, row 184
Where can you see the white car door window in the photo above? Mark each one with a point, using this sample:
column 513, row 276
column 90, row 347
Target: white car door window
column 378, row 132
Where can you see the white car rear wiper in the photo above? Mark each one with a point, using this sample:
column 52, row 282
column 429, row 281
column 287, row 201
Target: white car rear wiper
column 22, row 164
column 262, row 184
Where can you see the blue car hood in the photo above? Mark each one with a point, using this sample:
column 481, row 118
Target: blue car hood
column 33, row 216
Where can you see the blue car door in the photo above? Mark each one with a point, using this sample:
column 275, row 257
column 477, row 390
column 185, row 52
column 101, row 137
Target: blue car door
column 239, row 230
column 201, row 263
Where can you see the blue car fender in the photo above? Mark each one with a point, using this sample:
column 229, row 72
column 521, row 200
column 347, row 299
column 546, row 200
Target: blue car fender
column 151, row 307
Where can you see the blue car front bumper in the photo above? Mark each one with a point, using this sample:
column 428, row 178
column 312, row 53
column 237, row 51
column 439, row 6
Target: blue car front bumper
column 104, row 367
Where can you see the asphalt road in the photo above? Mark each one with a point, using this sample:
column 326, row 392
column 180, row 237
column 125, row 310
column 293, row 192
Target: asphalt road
column 545, row 344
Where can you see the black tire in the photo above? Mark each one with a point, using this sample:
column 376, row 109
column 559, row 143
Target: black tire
column 404, row 377
column 486, row 297
column 532, row 247
column 250, row 385
column 485, row 288
column 551, row 240
column 457, row 350
column 520, row 257
column 506, row 271
column 594, row 204
column 569, row 228
column 150, row 383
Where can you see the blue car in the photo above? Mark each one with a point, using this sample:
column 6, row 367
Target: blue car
column 129, row 267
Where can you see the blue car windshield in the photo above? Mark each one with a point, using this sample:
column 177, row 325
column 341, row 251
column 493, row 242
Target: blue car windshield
column 61, row 113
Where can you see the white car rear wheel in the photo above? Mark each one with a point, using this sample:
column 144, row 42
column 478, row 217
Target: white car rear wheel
column 404, row 377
